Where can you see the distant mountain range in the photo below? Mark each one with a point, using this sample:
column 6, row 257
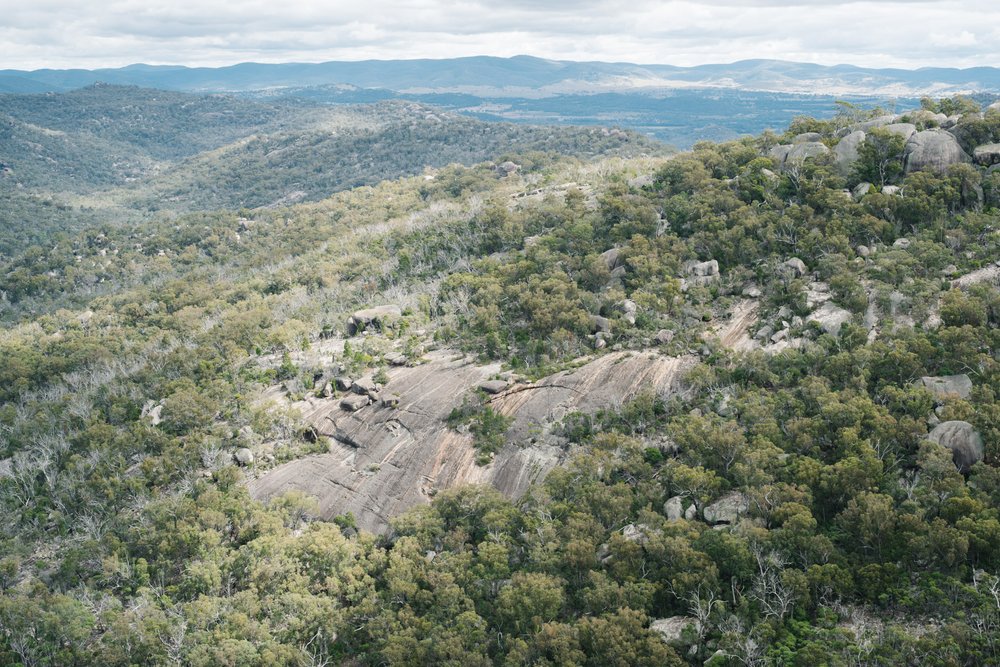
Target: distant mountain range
column 523, row 76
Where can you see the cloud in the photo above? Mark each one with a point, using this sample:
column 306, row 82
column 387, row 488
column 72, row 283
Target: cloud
column 68, row 33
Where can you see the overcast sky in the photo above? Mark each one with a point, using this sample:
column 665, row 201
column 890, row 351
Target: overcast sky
column 878, row 33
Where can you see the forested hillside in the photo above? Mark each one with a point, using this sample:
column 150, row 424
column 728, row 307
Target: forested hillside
column 776, row 441
column 130, row 153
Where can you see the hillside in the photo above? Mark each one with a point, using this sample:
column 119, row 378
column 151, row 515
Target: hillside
column 676, row 105
column 131, row 152
column 735, row 406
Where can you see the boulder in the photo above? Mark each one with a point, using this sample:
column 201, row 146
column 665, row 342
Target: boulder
column 905, row 130
column 863, row 251
column 493, row 386
column 600, row 324
column 880, row 121
column 375, row 318
column 933, row 150
column 962, row 439
column 860, row 190
column 674, row 508
column 891, row 190
column 636, row 533
column 807, row 137
column 805, row 151
column 364, row 386
column 612, row 258
column 629, row 308
column 327, row 390
column 817, row 294
column 796, row 266
column 642, row 181
column 752, row 291
column 691, row 512
column 947, row 385
column 343, row 383
column 396, row 359
column 726, row 509
column 902, row 243
column 243, row 456
column 388, row 400
column 779, row 153
column 354, row 402
column 663, row 336
column 507, row 168
column 671, row 630
column 703, row 269
column 153, row 412
column 923, row 116
column 830, row 317
column 987, row 155
column 845, row 153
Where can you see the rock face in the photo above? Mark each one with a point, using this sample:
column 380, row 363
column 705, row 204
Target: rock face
column 373, row 317
column 962, row 439
column 934, row 150
column 384, row 460
column 948, row 385
column 726, row 509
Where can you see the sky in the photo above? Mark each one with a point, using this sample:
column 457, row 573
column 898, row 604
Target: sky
column 875, row 33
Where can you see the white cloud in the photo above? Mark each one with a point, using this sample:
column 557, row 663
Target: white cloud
column 69, row 33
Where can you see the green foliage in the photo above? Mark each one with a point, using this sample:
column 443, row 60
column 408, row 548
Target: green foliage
column 857, row 540
column 880, row 158
column 486, row 425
